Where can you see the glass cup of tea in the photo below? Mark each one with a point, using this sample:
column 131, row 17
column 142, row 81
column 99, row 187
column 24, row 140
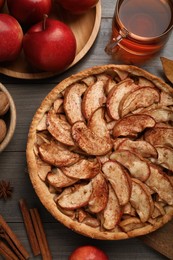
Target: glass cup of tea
column 141, row 27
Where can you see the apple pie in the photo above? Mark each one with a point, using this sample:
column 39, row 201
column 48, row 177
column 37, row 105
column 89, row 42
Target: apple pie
column 100, row 149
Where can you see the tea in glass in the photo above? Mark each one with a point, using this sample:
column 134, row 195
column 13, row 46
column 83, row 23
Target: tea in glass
column 141, row 27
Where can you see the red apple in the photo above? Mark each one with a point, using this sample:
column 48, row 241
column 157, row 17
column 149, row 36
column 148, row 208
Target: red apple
column 88, row 253
column 2, row 4
column 50, row 45
column 11, row 36
column 77, row 6
column 29, row 12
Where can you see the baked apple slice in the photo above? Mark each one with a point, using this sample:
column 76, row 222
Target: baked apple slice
column 59, row 128
column 160, row 183
column 143, row 82
column 140, row 147
column 88, row 141
column 137, row 166
column 130, row 224
column 115, row 96
column 42, row 168
column 83, row 169
column 97, row 124
column 111, row 215
column 165, row 157
column 58, row 179
column 99, row 196
column 89, row 80
column 56, row 154
column 109, row 85
column 166, row 99
column 77, row 197
column 94, row 98
column 119, row 179
column 57, row 105
column 160, row 136
column 160, row 114
column 72, row 102
column 122, row 74
column 141, row 200
column 42, row 124
column 132, row 125
column 141, row 97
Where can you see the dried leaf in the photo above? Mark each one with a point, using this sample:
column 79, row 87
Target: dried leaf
column 167, row 68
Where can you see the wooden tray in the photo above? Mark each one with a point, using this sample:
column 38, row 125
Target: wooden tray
column 161, row 240
column 85, row 27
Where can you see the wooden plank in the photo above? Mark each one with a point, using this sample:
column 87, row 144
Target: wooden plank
column 161, row 240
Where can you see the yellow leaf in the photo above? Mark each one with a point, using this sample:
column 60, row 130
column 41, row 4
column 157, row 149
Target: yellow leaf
column 167, row 68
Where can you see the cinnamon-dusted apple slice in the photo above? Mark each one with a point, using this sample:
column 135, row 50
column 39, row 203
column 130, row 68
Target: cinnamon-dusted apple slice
column 165, row 157
column 56, row 154
column 160, row 114
column 115, row 96
column 78, row 197
column 158, row 210
column 99, row 196
column 143, row 82
column 42, row 168
column 94, row 98
column 122, row 74
column 119, row 179
column 72, row 102
column 109, row 85
column 88, row 141
column 166, row 99
column 160, row 183
column 103, row 77
column 160, row 136
column 132, row 125
column 128, row 210
column 57, row 105
column 89, row 80
column 118, row 141
column 141, row 97
column 137, row 166
column 141, row 200
column 130, row 224
column 59, row 128
column 97, row 124
column 140, row 147
column 111, row 215
column 104, row 158
column 58, row 179
column 42, row 124
column 83, row 169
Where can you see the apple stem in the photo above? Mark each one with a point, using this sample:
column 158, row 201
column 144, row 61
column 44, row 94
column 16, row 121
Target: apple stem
column 44, row 21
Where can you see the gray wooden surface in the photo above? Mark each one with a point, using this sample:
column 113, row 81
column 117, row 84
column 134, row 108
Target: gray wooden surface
column 27, row 96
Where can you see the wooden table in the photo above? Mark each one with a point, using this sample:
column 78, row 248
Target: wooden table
column 27, row 95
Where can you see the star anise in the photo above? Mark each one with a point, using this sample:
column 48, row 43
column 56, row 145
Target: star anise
column 5, row 189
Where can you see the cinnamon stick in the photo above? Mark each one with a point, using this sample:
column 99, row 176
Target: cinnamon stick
column 5, row 236
column 7, row 252
column 29, row 227
column 41, row 236
column 13, row 237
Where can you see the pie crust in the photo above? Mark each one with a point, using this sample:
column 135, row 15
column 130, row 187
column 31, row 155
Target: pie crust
column 99, row 152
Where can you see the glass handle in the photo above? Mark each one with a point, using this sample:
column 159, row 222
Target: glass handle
column 110, row 48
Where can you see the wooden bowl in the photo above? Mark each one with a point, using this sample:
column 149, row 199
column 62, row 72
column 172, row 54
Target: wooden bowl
column 9, row 118
column 85, row 28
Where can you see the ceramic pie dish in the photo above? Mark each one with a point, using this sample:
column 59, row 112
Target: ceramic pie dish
column 100, row 149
